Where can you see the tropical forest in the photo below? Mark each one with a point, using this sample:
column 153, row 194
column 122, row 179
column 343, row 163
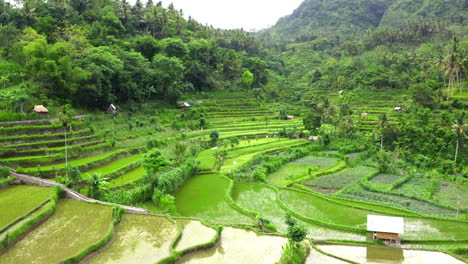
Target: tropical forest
column 130, row 132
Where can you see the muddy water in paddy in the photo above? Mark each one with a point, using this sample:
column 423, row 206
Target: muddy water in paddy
column 387, row 255
column 316, row 257
column 240, row 246
column 194, row 233
column 73, row 227
column 138, row 239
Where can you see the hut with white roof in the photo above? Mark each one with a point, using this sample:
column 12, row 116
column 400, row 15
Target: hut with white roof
column 386, row 228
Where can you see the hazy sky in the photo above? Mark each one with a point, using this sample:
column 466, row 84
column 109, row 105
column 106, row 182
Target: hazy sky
column 229, row 14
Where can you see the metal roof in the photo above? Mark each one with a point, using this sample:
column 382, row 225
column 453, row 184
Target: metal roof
column 386, row 224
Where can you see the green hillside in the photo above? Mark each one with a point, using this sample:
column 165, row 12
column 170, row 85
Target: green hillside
column 156, row 139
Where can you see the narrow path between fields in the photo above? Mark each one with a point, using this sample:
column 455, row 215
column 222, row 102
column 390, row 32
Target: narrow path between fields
column 70, row 193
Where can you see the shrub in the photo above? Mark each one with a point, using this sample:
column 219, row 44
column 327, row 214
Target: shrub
column 214, row 136
column 153, row 161
column 296, row 232
column 4, row 172
column 294, row 253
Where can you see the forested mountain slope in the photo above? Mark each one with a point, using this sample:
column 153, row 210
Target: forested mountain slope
column 331, row 18
column 403, row 11
column 326, row 16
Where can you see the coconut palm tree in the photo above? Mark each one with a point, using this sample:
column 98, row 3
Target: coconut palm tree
column 383, row 122
column 459, row 127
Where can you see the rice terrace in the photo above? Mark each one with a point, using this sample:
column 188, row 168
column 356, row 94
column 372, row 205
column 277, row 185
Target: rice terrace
column 131, row 133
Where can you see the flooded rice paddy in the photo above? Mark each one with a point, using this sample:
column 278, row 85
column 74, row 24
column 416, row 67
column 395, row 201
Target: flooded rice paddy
column 138, row 239
column 73, row 227
column 233, row 249
column 261, row 199
column 194, row 233
column 203, row 196
column 16, row 201
column 374, row 255
column 316, row 257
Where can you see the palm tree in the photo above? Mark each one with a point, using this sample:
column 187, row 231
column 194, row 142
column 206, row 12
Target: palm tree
column 65, row 117
column 4, row 79
column 459, row 128
column 453, row 64
column 97, row 183
column 383, row 122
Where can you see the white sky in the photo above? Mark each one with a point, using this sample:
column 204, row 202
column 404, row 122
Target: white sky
column 231, row 14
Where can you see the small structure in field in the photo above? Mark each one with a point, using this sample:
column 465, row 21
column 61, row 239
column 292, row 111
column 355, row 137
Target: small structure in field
column 341, row 92
column 40, row 110
column 386, row 228
column 364, row 115
column 398, row 108
column 111, row 109
column 184, row 105
column 289, row 117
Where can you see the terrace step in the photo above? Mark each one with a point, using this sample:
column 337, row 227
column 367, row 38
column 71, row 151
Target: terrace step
column 82, row 164
column 116, row 168
column 22, row 158
column 128, row 178
column 11, row 140
column 52, row 143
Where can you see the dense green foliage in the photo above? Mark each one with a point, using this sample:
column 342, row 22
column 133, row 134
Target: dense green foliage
column 96, row 53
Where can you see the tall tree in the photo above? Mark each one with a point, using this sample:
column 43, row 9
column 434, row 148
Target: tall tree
column 66, row 117
column 383, row 122
column 459, row 127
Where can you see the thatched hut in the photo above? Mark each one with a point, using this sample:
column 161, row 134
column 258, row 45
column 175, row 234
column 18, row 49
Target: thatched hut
column 40, row 110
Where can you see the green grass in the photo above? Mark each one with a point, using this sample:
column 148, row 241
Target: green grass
column 326, row 211
column 342, row 178
column 128, row 177
column 204, row 196
column 355, row 191
column 74, row 226
column 17, row 201
column 139, row 239
column 417, row 186
column 244, row 151
column 240, row 157
column 385, row 178
column 76, row 162
column 452, row 194
column 289, row 171
column 321, row 162
column 113, row 166
column 301, row 168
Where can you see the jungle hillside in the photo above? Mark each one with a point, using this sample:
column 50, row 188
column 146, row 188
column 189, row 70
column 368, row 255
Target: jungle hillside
column 131, row 133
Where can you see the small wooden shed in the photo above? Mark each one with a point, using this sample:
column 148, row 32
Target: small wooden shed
column 386, row 228
column 111, row 109
column 40, row 110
